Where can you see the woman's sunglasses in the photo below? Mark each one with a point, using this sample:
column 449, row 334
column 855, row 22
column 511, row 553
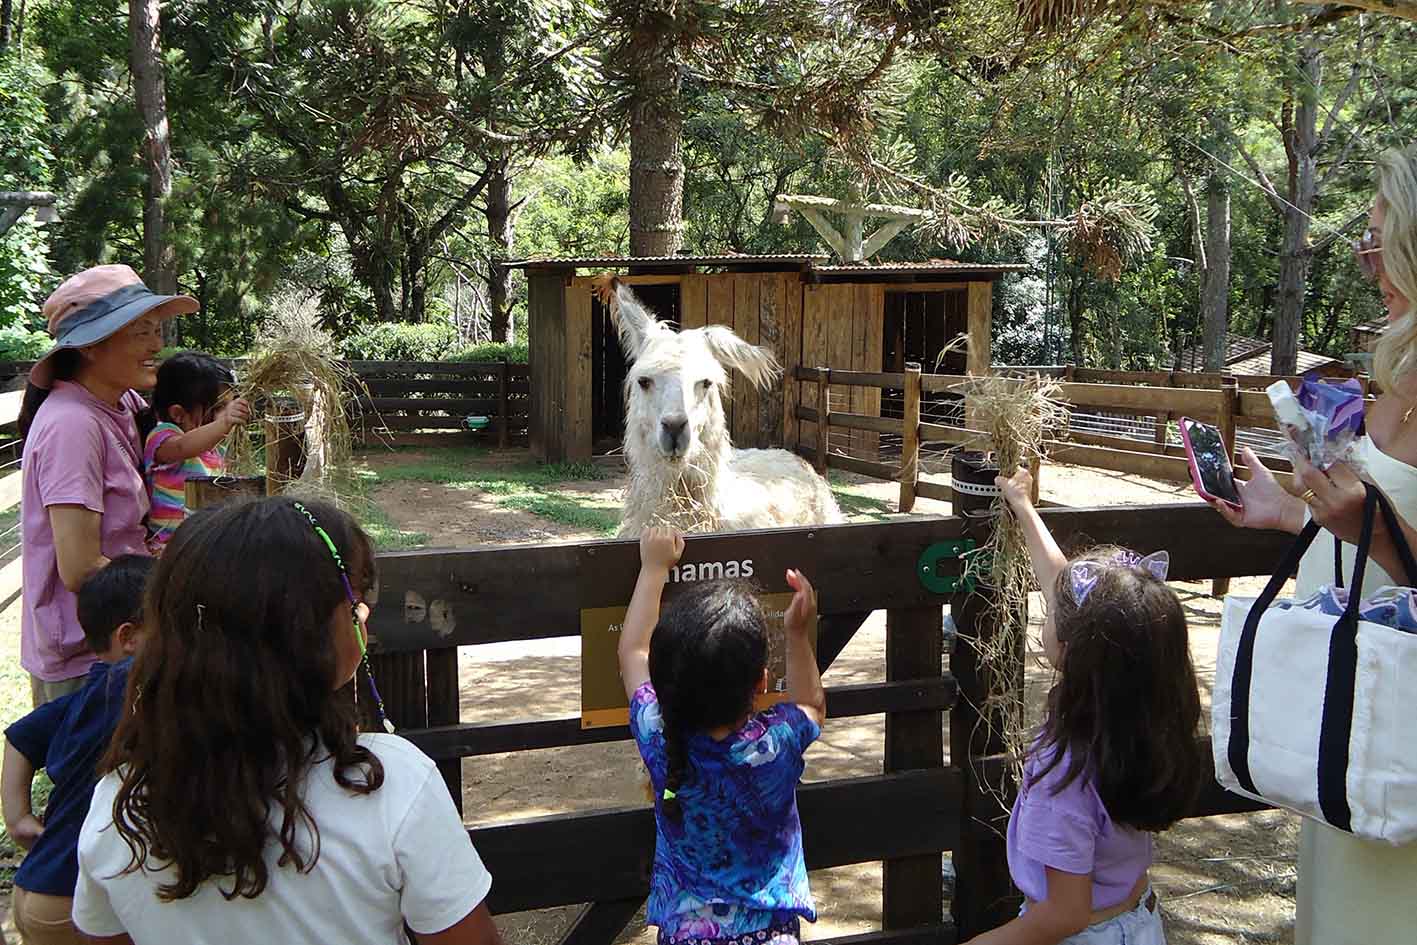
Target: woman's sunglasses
column 1368, row 251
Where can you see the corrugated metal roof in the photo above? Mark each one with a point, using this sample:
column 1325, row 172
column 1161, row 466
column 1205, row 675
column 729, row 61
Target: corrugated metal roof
column 932, row 265
column 727, row 259
column 1249, row 356
column 1259, row 364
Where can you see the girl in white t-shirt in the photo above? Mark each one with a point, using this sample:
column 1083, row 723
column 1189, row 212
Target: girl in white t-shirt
column 238, row 803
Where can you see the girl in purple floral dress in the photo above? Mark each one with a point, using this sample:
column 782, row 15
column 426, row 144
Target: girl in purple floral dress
column 728, row 862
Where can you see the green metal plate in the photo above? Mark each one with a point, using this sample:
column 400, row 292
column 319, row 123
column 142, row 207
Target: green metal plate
column 928, row 567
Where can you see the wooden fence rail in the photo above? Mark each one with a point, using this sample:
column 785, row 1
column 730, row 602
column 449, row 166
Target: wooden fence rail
column 1233, row 409
column 926, row 802
column 425, row 402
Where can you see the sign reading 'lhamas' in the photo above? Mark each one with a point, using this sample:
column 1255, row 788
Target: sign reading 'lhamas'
column 603, row 701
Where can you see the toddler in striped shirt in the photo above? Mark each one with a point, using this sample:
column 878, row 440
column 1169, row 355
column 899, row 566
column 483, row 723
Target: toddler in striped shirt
column 194, row 410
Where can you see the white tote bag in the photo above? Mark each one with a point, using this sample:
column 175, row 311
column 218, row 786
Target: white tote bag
column 1319, row 714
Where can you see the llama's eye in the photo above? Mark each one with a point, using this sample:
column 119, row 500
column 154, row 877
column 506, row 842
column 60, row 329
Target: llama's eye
column 705, row 384
column 646, row 383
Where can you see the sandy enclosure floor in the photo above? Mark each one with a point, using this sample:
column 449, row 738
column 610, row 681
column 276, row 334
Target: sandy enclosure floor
column 1223, row 879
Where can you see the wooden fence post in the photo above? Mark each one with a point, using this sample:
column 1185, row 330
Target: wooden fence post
column 285, row 444
column 1229, row 406
column 911, row 889
column 1163, row 420
column 910, row 437
column 984, row 896
column 502, row 411
column 824, row 376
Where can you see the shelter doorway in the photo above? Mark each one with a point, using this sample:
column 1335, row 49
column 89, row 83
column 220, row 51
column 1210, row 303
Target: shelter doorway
column 919, row 325
column 609, row 364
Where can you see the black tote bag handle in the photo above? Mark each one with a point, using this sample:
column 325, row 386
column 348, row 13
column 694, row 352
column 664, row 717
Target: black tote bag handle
column 1340, row 685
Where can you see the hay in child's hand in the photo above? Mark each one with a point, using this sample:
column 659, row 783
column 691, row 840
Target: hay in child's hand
column 1018, row 416
column 296, row 369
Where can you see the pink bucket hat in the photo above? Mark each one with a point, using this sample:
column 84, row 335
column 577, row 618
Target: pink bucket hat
column 96, row 304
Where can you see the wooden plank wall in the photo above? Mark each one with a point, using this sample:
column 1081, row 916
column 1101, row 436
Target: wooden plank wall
column 792, row 341
column 816, row 311
column 547, row 343
column 721, row 297
column 579, row 434
column 867, row 353
column 747, row 299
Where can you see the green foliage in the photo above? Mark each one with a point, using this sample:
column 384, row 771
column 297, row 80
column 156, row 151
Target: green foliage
column 21, row 344
column 26, row 163
column 576, row 208
column 515, row 352
column 400, row 341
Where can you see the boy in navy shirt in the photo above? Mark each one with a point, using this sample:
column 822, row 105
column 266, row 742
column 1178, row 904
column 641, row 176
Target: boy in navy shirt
column 67, row 737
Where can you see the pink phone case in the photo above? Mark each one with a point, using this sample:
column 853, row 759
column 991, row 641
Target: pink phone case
column 1195, row 472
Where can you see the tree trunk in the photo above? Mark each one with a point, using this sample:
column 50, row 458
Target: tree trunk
column 1076, row 326
column 656, row 162
column 1215, row 276
column 500, row 230
column 7, row 20
column 159, row 258
column 1300, row 142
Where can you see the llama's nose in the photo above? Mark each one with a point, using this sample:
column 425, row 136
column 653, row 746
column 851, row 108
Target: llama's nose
column 674, row 426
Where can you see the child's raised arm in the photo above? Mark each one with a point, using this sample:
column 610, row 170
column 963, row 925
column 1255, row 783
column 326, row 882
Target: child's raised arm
column 1048, row 560
column 660, row 548
column 804, row 680
column 182, row 446
column 21, row 823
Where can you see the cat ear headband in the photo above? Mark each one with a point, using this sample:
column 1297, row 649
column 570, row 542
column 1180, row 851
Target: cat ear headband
column 354, row 608
column 1084, row 575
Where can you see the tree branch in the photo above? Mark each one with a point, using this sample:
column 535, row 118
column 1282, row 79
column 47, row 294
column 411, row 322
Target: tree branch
column 1266, row 185
column 1195, row 206
column 1331, row 122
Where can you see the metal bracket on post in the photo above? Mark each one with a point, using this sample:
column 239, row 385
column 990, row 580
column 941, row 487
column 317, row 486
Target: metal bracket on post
column 928, row 567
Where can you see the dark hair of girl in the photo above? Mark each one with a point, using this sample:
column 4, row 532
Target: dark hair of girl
column 1125, row 706
column 191, row 380
column 232, row 699
column 66, row 365
column 706, row 659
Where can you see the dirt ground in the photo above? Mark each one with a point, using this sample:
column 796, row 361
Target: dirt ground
column 1222, row 879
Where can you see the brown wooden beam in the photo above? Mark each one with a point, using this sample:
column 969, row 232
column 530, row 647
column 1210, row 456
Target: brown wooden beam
column 468, row 740
column 855, row 820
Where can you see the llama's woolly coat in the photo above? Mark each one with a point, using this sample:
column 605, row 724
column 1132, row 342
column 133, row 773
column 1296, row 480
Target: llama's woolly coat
column 710, row 485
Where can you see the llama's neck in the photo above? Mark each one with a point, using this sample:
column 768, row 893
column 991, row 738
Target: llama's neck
column 681, row 495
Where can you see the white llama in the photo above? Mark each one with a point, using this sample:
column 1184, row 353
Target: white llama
column 684, row 471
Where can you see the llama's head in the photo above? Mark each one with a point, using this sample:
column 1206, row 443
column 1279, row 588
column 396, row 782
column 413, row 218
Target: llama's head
column 675, row 386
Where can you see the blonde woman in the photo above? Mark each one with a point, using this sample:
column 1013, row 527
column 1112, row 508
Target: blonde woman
column 1352, row 891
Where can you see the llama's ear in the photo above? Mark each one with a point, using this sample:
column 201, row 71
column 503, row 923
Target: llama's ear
column 758, row 365
column 632, row 320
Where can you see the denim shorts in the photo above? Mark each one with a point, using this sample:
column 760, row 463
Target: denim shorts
column 1141, row 926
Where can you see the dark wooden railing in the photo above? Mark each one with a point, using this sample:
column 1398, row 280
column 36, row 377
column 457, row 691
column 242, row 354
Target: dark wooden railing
column 926, row 802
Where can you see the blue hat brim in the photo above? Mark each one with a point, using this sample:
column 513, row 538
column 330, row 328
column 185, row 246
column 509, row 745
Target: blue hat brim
column 106, row 326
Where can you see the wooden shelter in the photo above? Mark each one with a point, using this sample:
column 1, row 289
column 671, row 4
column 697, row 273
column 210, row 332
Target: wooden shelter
column 810, row 313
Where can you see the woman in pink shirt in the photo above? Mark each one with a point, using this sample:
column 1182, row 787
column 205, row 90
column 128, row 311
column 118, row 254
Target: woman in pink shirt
column 84, row 498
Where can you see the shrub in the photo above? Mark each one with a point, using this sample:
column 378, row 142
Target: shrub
column 516, row 352
column 400, row 341
column 21, row 344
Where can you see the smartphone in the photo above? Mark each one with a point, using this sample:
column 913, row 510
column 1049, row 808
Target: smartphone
column 1211, row 472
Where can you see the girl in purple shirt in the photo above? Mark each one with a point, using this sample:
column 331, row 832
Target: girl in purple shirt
column 1116, row 758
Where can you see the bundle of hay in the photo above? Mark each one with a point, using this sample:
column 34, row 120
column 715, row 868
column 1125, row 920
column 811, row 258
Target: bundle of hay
column 296, row 383
column 1017, row 416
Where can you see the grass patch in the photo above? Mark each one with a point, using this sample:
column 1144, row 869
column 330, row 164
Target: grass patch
column 385, row 534
column 525, row 487
column 453, row 471
column 855, row 504
column 566, row 510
